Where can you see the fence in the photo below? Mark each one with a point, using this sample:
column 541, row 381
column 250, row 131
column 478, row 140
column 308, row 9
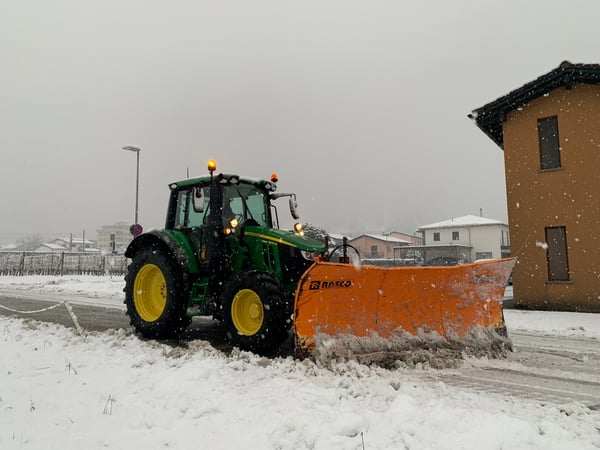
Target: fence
column 38, row 263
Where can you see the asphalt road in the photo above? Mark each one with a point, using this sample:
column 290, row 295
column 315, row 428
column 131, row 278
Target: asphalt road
column 90, row 318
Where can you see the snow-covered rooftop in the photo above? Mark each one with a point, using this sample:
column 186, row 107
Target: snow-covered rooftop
column 464, row 221
column 52, row 246
column 385, row 238
column 74, row 240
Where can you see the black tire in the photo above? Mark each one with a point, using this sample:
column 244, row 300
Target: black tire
column 256, row 316
column 155, row 295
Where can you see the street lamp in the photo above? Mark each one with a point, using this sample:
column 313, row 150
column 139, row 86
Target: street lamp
column 133, row 148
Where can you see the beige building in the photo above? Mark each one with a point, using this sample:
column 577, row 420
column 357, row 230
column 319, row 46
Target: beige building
column 374, row 246
column 549, row 131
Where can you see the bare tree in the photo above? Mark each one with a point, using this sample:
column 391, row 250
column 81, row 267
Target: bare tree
column 30, row 243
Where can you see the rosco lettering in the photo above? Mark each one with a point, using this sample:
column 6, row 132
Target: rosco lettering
column 318, row 284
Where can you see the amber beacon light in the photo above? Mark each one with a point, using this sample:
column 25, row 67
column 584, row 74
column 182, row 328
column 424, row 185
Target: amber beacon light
column 212, row 165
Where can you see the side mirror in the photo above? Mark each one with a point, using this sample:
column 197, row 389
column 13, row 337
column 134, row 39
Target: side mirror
column 198, row 199
column 294, row 208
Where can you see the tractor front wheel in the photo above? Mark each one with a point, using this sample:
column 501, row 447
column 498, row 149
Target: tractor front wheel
column 254, row 313
column 155, row 295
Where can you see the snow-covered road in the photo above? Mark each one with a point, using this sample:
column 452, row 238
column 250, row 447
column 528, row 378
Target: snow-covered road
column 111, row 389
column 545, row 368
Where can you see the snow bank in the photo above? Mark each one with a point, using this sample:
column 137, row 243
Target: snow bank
column 553, row 323
column 113, row 390
column 425, row 349
column 89, row 289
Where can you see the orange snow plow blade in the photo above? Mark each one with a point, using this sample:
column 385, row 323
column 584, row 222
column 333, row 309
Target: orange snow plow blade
column 335, row 300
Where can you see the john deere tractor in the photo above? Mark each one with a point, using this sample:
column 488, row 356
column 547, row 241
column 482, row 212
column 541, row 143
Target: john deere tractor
column 221, row 254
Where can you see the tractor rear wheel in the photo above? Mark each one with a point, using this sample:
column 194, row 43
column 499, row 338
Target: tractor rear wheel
column 155, row 295
column 255, row 313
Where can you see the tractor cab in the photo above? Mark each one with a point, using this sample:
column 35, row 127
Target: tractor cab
column 228, row 204
column 228, row 201
column 231, row 224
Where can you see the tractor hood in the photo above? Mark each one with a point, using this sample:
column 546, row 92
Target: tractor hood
column 290, row 238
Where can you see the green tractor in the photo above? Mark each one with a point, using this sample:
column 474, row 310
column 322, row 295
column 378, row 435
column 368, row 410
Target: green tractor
column 220, row 254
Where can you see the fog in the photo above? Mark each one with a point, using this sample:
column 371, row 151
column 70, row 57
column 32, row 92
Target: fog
column 359, row 106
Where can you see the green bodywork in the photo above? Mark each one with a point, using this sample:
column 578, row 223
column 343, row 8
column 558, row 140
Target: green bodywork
column 192, row 236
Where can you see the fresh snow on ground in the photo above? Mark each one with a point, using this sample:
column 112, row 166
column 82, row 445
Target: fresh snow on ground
column 64, row 390
column 92, row 289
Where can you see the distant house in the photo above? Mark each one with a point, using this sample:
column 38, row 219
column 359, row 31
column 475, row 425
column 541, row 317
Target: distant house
column 373, row 246
column 550, row 134
column 414, row 240
column 462, row 240
column 51, row 247
column 75, row 245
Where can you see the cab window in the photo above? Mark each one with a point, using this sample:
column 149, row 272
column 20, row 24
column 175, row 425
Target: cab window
column 190, row 213
column 246, row 203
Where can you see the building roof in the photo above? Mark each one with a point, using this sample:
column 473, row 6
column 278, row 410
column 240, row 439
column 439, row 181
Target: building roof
column 385, row 238
column 52, row 246
column 489, row 118
column 74, row 241
column 435, row 246
column 464, row 221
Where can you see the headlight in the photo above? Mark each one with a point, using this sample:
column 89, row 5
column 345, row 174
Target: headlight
column 311, row 256
column 298, row 229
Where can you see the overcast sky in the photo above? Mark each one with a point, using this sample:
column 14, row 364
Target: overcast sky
column 359, row 106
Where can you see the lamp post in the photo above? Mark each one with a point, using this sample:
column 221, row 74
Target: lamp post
column 133, row 148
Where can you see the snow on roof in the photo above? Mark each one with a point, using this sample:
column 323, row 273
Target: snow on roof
column 384, row 238
column 464, row 221
column 489, row 118
column 53, row 246
column 74, row 240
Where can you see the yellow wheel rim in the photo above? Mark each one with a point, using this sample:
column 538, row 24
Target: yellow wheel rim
column 150, row 292
column 247, row 312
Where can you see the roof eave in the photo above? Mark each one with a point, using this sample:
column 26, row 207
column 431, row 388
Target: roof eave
column 489, row 118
